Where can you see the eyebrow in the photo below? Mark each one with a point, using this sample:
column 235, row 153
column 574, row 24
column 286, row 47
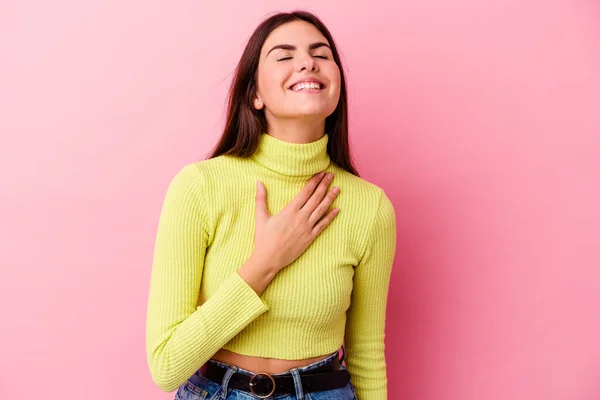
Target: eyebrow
column 292, row 47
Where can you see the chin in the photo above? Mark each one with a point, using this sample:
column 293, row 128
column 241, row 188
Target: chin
column 314, row 112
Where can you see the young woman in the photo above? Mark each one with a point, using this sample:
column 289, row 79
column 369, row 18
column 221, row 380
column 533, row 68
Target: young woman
column 251, row 296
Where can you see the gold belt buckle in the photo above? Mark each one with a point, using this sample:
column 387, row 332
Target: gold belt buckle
column 252, row 384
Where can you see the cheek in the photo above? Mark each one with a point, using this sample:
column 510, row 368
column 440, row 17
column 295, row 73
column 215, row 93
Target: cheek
column 338, row 78
column 272, row 83
column 333, row 74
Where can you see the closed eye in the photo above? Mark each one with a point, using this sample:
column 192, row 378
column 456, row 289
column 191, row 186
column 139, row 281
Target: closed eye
column 288, row 58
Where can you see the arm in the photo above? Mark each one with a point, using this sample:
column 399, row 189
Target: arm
column 365, row 327
column 180, row 335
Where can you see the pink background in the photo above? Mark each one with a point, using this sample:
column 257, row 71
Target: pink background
column 481, row 122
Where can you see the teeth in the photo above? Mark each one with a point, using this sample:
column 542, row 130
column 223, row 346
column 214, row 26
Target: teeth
column 306, row 85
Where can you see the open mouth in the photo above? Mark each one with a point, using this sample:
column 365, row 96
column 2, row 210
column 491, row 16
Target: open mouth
column 307, row 86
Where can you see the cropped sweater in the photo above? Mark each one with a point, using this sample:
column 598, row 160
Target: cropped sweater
column 334, row 293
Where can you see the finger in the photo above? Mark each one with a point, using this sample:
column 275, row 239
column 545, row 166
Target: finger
column 261, row 200
column 318, row 228
column 323, row 206
column 317, row 197
column 303, row 196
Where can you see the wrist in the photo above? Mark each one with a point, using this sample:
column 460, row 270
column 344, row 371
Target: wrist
column 269, row 267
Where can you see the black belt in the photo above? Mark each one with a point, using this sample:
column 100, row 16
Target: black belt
column 262, row 385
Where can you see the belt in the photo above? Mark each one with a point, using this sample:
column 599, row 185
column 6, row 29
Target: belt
column 262, row 385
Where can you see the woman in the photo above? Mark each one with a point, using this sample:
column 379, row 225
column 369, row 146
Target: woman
column 245, row 303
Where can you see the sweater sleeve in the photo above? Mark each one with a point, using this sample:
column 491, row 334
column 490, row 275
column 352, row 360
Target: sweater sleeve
column 180, row 335
column 365, row 326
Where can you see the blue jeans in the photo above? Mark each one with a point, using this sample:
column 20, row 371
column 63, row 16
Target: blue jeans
column 197, row 387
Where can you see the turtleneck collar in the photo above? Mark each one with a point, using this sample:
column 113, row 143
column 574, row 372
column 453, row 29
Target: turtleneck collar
column 295, row 159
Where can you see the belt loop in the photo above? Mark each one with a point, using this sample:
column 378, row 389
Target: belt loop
column 230, row 371
column 297, row 383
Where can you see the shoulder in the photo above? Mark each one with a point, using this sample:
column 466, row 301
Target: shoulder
column 367, row 193
column 202, row 172
column 372, row 210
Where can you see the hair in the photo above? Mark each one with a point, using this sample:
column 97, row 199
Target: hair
column 244, row 123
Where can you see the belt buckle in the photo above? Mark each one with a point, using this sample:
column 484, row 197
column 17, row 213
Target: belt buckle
column 252, row 384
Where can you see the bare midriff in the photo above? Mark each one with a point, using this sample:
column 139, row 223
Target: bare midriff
column 261, row 364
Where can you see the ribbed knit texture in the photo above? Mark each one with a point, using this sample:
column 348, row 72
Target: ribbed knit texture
column 337, row 289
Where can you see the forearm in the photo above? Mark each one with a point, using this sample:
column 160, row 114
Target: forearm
column 257, row 273
column 178, row 345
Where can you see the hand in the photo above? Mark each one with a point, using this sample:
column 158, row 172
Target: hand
column 281, row 238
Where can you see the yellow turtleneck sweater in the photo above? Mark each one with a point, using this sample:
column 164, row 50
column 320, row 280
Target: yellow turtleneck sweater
column 335, row 291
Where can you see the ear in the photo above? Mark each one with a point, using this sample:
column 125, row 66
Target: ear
column 258, row 104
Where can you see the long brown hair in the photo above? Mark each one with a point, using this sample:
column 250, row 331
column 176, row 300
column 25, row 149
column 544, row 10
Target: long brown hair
column 244, row 123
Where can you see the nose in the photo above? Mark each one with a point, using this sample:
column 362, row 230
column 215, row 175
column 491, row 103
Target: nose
column 306, row 62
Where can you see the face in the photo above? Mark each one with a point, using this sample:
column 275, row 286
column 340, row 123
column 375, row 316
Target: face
column 294, row 52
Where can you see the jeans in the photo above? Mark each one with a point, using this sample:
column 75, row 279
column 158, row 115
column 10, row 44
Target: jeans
column 197, row 387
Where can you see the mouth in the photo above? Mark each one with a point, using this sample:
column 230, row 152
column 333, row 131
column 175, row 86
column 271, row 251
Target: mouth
column 310, row 87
